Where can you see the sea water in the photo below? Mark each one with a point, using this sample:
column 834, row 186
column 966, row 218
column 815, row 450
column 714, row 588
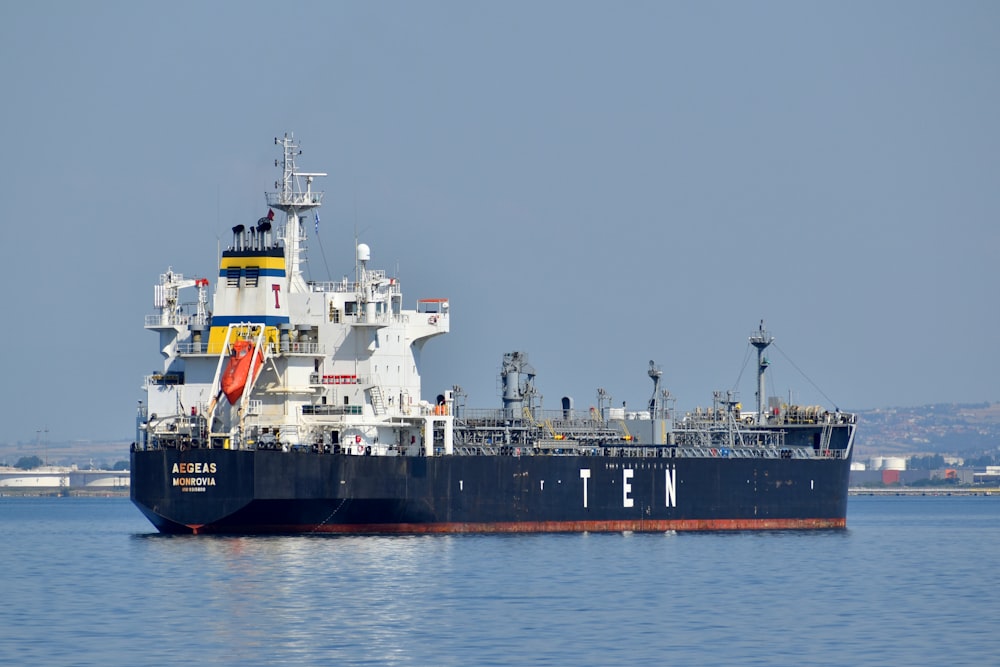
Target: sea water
column 911, row 581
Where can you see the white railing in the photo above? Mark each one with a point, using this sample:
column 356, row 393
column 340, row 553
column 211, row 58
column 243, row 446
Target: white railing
column 294, row 198
column 296, row 348
column 178, row 320
column 346, row 286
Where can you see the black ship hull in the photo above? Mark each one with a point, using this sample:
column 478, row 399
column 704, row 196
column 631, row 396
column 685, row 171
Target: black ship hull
column 251, row 491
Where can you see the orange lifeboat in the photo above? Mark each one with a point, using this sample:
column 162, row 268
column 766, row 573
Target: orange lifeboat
column 234, row 378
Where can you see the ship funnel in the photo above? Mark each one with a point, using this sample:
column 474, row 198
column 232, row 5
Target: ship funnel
column 238, row 237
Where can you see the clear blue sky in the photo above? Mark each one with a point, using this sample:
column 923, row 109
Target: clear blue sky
column 596, row 183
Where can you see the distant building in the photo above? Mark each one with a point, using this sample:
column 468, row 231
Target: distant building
column 54, row 478
column 956, row 475
column 989, row 476
column 887, row 477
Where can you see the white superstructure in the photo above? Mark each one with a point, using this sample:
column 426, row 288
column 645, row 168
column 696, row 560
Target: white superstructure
column 339, row 360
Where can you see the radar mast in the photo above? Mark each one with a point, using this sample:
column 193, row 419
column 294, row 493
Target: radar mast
column 294, row 201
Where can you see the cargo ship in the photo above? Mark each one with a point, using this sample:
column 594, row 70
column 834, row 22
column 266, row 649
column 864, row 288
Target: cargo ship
column 295, row 406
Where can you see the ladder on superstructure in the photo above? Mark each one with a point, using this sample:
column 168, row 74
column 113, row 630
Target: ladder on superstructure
column 826, row 437
column 378, row 404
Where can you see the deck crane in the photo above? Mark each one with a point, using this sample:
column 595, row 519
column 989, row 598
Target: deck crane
column 166, row 297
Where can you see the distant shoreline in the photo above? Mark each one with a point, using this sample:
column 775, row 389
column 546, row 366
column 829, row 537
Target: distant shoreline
column 923, row 491
column 43, row 492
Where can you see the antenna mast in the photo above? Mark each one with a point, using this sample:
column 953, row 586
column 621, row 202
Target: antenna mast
column 294, row 201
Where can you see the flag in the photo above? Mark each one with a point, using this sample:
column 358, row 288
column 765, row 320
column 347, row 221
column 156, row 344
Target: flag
column 317, row 223
column 270, row 214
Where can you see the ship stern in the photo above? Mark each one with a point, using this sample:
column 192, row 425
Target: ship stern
column 190, row 491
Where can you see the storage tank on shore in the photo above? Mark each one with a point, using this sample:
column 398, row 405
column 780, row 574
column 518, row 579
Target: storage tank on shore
column 894, row 463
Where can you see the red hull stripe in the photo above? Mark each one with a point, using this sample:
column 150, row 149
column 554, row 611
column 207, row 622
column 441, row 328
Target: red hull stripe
column 648, row 526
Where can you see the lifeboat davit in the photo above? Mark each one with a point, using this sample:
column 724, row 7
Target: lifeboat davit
column 237, row 373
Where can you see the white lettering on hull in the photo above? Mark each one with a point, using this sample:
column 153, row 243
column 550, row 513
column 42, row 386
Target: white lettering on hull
column 189, row 484
column 193, row 468
column 670, row 486
column 194, row 481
